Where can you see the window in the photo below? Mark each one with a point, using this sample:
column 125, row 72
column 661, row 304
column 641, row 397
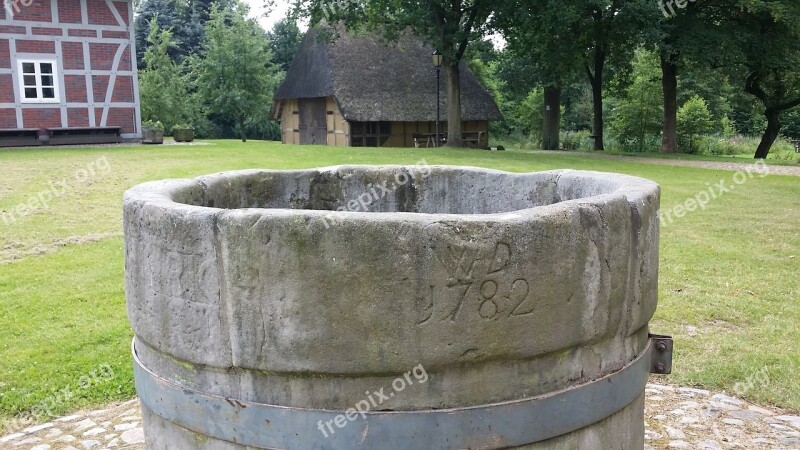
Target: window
column 369, row 134
column 38, row 82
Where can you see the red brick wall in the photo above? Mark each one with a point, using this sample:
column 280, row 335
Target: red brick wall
column 38, row 11
column 12, row 29
column 125, row 61
column 72, row 53
column 8, row 118
column 6, row 89
column 75, row 88
column 102, row 55
column 115, row 34
column 123, row 89
column 36, row 47
column 121, row 117
column 99, row 13
column 82, row 33
column 41, row 117
column 42, row 31
column 69, row 11
column 100, row 86
column 5, row 54
column 122, row 7
column 78, row 117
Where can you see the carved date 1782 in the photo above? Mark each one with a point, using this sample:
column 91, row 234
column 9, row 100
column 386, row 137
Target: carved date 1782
column 478, row 286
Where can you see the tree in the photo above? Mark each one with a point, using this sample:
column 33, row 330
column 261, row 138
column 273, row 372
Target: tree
column 166, row 15
column 162, row 88
column 595, row 37
column 284, row 40
column 447, row 25
column 637, row 118
column 760, row 47
column 236, row 77
column 544, row 54
column 693, row 119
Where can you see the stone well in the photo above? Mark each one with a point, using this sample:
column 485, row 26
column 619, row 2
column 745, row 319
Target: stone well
column 415, row 307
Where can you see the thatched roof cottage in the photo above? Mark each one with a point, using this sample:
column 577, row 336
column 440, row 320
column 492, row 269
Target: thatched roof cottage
column 358, row 91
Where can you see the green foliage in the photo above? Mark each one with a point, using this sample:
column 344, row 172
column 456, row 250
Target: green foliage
column 638, row 115
column 153, row 124
column 284, row 40
column 235, row 77
column 694, row 119
column 576, row 140
column 529, row 116
column 162, row 87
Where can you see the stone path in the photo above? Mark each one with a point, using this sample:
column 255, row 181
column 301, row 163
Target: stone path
column 680, row 417
column 733, row 166
column 118, row 426
column 675, row 417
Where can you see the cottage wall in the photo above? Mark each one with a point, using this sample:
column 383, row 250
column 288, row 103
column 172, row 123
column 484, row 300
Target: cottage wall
column 290, row 122
column 92, row 45
column 338, row 127
column 402, row 133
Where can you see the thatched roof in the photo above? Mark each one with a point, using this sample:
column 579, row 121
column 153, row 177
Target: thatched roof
column 374, row 81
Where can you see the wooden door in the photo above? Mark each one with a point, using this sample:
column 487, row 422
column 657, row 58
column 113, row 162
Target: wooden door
column 313, row 121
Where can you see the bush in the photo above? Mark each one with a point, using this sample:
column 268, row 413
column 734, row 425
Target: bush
column 694, row 119
column 641, row 144
column 576, row 140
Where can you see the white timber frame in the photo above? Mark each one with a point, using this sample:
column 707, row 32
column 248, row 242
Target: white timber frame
column 74, row 32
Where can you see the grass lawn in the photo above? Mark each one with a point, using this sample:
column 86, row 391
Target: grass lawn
column 729, row 286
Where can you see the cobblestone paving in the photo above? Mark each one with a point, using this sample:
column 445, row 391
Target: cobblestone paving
column 118, row 426
column 680, row 417
column 675, row 417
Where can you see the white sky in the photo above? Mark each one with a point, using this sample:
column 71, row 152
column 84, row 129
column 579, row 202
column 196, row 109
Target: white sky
column 279, row 11
column 257, row 11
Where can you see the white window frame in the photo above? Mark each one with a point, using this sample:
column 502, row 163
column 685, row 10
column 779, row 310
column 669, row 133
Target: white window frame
column 37, row 62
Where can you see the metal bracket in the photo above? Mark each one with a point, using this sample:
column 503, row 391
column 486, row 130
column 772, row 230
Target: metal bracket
column 660, row 354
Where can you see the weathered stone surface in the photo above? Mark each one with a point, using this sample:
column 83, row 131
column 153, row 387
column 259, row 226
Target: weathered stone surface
column 478, row 275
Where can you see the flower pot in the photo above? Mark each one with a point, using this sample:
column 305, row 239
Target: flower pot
column 183, row 134
column 152, row 136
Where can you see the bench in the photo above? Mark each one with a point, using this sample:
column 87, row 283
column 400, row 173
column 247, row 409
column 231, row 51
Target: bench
column 472, row 138
column 27, row 137
column 19, row 137
column 85, row 135
column 796, row 143
column 428, row 139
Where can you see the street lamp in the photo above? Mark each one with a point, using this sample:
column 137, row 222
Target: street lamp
column 437, row 63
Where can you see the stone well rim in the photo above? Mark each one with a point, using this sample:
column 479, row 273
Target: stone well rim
column 162, row 193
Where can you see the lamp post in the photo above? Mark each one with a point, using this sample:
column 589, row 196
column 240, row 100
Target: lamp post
column 437, row 63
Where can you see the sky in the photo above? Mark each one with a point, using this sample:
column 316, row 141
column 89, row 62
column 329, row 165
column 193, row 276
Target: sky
column 279, row 11
column 281, row 7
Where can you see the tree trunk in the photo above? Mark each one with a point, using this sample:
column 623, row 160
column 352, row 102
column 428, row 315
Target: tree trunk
column 669, row 84
column 453, row 87
column 552, row 117
column 241, row 130
column 596, row 80
column 770, row 134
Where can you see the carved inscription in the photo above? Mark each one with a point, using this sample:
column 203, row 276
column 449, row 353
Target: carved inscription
column 478, row 286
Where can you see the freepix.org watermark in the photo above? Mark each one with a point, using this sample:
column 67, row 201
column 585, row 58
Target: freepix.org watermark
column 372, row 401
column 713, row 192
column 375, row 192
column 13, row 7
column 759, row 379
column 46, row 407
column 55, row 189
column 668, row 6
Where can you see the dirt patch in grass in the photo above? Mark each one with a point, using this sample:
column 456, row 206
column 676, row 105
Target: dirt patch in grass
column 15, row 251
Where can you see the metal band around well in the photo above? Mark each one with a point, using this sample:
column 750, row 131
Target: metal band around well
column 497, row 425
